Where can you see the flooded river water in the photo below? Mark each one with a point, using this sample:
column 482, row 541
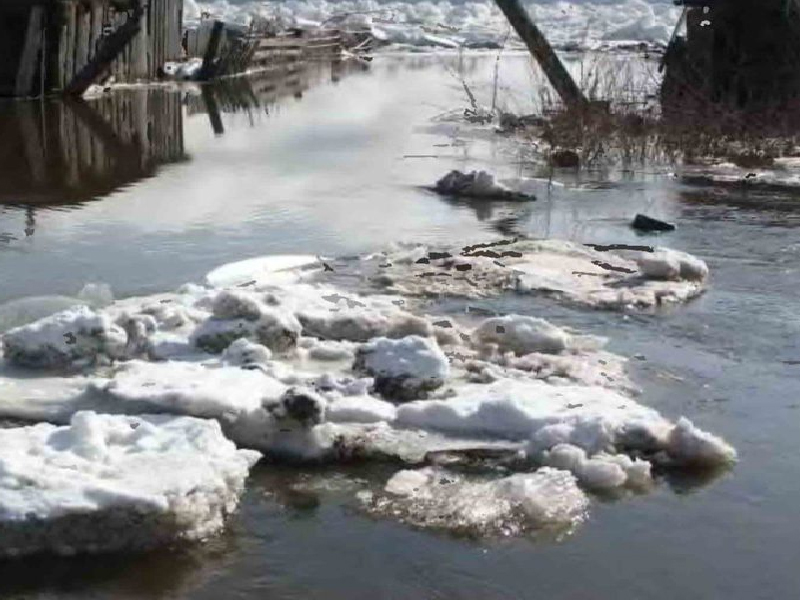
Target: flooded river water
column 332, row 163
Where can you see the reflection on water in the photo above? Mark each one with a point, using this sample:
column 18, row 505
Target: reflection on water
column 66, row 152
column 63, row 153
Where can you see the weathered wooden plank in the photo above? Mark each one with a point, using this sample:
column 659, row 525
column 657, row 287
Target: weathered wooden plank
column 29, row 58
column 207, row 70
column 84, row 24
column 70, row 40
column 139, row 68
column 110, row 48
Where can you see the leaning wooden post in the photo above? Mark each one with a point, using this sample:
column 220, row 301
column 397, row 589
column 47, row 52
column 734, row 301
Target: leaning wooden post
column 209, row 68
column 543, row 52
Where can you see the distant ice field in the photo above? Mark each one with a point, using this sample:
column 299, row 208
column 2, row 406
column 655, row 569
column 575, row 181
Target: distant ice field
column 448, row 24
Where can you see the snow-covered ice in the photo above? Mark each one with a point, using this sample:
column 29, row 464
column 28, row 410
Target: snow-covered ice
column 361, row 409
column 522, row 335
column 597, row 421
column 403, row 369
column 109, row 483
column 78, row 333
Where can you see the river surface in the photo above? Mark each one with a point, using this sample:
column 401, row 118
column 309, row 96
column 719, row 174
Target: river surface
column 155, row 188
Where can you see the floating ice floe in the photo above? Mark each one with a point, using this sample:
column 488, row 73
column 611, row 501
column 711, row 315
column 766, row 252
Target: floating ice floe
column 261, row 270
column 310, row 371
column 110, row 483
column 782, row 175
column 440, row 499
column 602, row 277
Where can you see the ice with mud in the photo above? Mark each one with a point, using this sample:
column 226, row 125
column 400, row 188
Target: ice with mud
column 109, row 483
column 599, row 277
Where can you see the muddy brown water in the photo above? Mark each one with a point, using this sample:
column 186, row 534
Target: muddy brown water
column 149, row 190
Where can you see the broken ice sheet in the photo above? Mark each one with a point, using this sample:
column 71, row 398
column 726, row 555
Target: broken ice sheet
column 440, row 499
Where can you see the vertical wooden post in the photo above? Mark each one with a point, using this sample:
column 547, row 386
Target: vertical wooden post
column 30, row 52
column 84, row 22
column 69, row 43
column 541, row 49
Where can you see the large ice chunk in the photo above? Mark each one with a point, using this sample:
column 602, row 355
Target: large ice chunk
column 74, row 334
column 597, row 421
column 108, row 483
column 403, row 369
column 245, row 318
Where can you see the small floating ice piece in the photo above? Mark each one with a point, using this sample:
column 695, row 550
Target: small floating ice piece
column 403, row 369
column 436, row 498
column 477, row 184
column 111, row 483
column 672, row 265
column 281, row 268
column 693, row 447
column 602, row 472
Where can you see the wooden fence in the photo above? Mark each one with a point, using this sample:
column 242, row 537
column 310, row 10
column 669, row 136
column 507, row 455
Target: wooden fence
column 47, row 45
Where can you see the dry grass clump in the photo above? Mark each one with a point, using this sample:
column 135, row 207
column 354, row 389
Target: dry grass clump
column 626, row 124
